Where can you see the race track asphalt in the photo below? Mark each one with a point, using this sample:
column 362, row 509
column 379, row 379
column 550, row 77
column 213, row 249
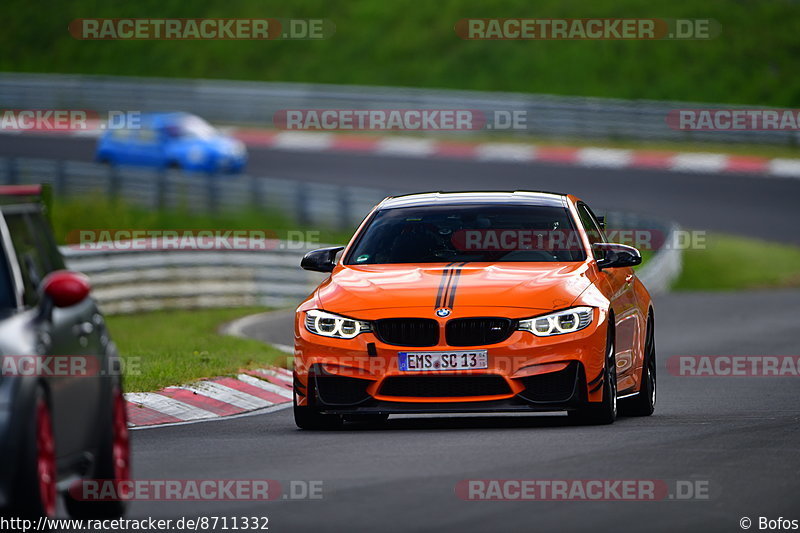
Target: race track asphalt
column 740, row 436
column 763, row 207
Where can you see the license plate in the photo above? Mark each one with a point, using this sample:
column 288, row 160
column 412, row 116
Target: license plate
column 416, row 361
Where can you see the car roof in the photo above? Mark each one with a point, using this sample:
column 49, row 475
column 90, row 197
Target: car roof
column 537, row 198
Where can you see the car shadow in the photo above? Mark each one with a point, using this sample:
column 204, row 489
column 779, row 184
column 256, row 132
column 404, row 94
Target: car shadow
column 527, row 421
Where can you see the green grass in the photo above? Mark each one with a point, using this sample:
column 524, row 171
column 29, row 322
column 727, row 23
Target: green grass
column 738, row 263
column 413, row 43
column 173, row 347
column 73, row 214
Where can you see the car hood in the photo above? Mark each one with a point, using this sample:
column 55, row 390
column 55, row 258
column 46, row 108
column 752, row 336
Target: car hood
column 543, row 286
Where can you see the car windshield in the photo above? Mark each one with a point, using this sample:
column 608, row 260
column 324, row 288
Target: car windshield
column 197, row 128
column 474, row 233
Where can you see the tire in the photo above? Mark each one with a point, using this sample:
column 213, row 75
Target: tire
column 605, row 412
column 36, row 494
column 644, row 403
column 113, row 465
column 306, row 417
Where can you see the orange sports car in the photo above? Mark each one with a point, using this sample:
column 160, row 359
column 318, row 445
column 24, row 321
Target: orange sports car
column 475, row 302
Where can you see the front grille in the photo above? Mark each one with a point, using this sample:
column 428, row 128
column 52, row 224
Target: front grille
column 552, row 386
column 478, row 331
column 444, row 386
column 341, row 390
column 407, row 331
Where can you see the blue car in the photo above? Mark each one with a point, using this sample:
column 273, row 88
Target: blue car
column 172, row 140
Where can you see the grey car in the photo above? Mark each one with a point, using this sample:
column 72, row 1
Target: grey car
column 62, row 411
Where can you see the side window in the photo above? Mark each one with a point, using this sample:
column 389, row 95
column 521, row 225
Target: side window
column 591, row 226
column 596, row 221
column 32, row 263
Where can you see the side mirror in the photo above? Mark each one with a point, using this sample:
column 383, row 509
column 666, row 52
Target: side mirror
column 66, row 288
column 321, row 260
column 617, row 255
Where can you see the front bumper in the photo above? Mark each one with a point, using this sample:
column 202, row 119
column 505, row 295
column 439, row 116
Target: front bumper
column 525, row 373
column 553, row 391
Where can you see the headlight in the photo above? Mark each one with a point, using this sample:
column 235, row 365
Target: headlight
column 238, row 149
column 330, row 325
column 559, row 322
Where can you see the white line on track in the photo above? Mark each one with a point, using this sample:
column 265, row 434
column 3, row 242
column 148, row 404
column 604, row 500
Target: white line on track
column 604, row 157
column 699, row 162
column 403, row 146
column 788, row 168
column 505, row 152
column 227, row 395
column 298, row 140
column 266, row 385
column 168, row 406
column 257, row 412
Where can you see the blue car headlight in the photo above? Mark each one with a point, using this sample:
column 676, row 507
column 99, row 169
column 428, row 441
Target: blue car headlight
column 238, row 149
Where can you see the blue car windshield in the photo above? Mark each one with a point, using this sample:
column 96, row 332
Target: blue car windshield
column 197, row 128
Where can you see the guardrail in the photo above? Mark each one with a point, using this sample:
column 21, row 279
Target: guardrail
column 307, row 204
column 663, row 268
column 256, row 103
column 127, row 281
column 132, row 281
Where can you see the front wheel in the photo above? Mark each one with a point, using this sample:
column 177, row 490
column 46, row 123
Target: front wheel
column 605, row 412
column 306, row 417
column 113, row 466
